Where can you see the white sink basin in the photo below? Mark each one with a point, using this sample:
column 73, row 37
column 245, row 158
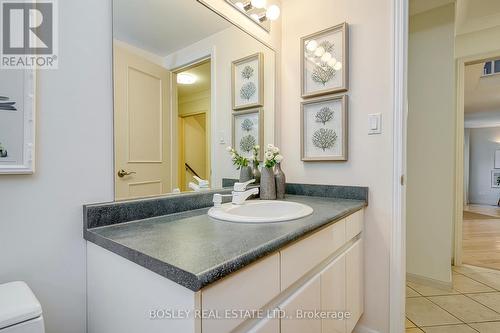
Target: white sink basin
column 260, row 211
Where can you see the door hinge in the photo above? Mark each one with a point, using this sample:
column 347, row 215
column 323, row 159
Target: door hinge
column 402, row 180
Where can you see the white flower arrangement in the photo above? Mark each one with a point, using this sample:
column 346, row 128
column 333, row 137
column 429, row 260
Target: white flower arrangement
column 240, row 161
column 272, row 156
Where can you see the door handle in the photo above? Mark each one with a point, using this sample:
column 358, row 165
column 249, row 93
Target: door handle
column 122, row 173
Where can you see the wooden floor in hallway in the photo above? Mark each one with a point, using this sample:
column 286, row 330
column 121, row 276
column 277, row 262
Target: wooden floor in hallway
column 481, row 236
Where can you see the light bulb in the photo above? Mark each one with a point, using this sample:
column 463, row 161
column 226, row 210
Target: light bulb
column 319, row 51
column 240, row 6
column 273, row 12
column 337, row 66
column 258, row 3
column 186, row 78
column 332, row 62
column 255, row 17
column 326, row 57
column 312, row 45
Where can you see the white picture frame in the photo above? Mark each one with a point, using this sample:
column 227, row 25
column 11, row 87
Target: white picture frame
column 247, row 82
column 18, row 124
column 255, row 130
column 495, row 178
column 324, row 61
column 323, row 130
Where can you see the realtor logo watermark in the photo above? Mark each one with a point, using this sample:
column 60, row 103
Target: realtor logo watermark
column 29, row 34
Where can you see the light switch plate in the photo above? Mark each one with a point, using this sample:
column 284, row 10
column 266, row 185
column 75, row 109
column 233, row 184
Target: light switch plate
column 374, row 123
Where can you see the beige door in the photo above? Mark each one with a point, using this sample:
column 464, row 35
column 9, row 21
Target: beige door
column 142, row 122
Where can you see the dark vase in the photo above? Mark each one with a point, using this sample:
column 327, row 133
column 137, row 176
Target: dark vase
column 280, row 182
column 267, row 184
column 245, row 174
column 256, row 173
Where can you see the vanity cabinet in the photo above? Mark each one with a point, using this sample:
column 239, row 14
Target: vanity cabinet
column 321, row 274
column 333, row 294
column 307, row 297
column 354, row 283
column 302, row 287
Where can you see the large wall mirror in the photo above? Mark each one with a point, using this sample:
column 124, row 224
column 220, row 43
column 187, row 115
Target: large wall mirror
column 187, row 84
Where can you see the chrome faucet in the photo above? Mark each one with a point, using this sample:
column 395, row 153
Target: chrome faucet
column 240, row 194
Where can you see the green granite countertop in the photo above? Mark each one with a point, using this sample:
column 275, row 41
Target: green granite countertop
column 194, row 250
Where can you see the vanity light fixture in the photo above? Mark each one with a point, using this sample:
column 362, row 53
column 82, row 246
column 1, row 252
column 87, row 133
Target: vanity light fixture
column 257, row 10
column 186, row 78
column 258, row 3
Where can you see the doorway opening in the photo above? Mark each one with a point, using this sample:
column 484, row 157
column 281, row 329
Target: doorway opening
column 192, row 102
column 480, row 231
column 447, row 238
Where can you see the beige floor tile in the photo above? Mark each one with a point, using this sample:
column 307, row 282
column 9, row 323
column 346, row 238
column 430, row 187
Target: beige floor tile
column 492, row 327
column 423, row 312
column 490, row 279
column 491, row 300
column 464, row 308
column 427, row 290
column 409, row 324
column 411, row 293
column 466, row 285
column 449, row 329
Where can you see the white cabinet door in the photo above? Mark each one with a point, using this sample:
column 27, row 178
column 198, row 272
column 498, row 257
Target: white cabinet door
column 354, row 283
column 307, row 298
column 333, row 296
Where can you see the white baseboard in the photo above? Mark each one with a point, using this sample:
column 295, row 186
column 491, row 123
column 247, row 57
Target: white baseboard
column 364, row 329
column 428, row 281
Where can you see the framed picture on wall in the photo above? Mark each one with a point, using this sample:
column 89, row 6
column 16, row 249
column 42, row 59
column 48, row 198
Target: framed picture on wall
column 17, row 122
column 325, row 61
column 248, row 131
column 248, row 82
column 324, row 129
column 495, row 178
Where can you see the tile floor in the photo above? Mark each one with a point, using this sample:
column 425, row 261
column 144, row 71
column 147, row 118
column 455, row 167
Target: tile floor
column 472, row 305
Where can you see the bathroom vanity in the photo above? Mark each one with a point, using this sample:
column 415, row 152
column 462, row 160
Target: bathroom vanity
column 163, row 265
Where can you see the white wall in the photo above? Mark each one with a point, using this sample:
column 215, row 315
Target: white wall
column 370, row 157
column 431, row 144
column 41, row 215
column 222, row 46
column 478, row 42
column 483, row 144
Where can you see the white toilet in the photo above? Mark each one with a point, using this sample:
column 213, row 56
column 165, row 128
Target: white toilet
column 20, row 311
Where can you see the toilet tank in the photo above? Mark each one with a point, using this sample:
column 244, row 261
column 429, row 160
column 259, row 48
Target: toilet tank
column 20, row 311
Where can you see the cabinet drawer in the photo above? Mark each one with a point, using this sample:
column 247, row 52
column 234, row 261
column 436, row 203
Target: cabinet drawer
column 354, row 224
column 249, row 289
column 301, row 257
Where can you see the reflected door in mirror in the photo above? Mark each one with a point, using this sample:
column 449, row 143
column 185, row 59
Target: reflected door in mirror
column 142, row 122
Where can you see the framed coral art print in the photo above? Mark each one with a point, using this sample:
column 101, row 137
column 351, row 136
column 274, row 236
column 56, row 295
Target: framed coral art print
column 325, row 61
column 324, row 129
column 248, row 131
column 248, row 82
